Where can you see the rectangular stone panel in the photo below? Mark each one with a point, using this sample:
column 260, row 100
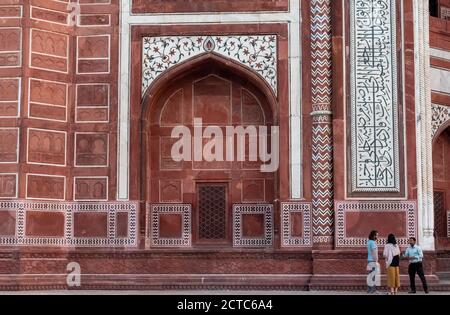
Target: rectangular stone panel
column 49, row 51
column 170, row 225
column 374, row 97
column 45, row 112
column 44, row 224
column 9, row 97
column 9, row 138
column 49, row 15
column 93, row 46
column 49, row 63
column 178, row 6
column 93, row 54
column 86, row 2
column 253, row 225
column 13, row 11
column 360, row 224
column 9, row 59
column 10, row 39
column 92, row 95
column 253, row 190
column 122, row 224
column 90, row 224
column 10, row 47
column 46, row 147
column 90, row 66
column 91, row 188
column 94, row 20
column 48, row 92
column 91, row 149
column 45, row 187
column 93, row 114
column 170, row 191
column 8, row 186
column 49, row 43
column 7, row 223
column 296, row 224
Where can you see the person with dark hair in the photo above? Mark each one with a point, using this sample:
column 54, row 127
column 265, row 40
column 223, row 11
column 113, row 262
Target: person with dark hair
column 372, row 260
column 415, row 255
column 392, row 257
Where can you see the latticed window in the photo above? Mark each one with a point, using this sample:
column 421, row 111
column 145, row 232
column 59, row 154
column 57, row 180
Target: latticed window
column 440, row 215
column 212, row 212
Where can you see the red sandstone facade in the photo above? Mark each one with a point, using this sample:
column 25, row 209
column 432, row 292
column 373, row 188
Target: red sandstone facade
column 89, row 94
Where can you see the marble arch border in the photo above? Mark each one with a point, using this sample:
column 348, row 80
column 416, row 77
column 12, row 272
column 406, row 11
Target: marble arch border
column 292, row 19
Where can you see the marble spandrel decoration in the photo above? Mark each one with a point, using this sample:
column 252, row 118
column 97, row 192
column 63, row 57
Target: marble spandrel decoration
column 259, row 53
column 374, row 105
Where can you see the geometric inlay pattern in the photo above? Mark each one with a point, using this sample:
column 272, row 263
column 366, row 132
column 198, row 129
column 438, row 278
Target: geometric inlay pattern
column 374, row 106
column 407, row 207
column 153, row 229
column 21, row 208
column 288, row 240
column 239, row 210
column 257, row 52
column 212, row 203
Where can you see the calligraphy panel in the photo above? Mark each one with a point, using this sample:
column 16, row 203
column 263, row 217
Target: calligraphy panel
column 374, row 100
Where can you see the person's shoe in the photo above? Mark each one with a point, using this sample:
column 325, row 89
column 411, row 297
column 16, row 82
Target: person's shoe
column 412, row 292
column 426, row 291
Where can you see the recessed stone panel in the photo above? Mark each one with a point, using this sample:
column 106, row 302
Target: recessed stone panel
column 93, row 114
column 170, row 225
column 10, row 39
column 253, row 225
column 253, row 190
column 44, row 224
column 9, row 145
column 359, row 224
column 92, row 95
column 45, row 187
column 91, row 149
column 90, row 224
column 94, row 20
column 122, row 224
column 296, row 224
column 91, row 188
column 8, row 186
column 46, row 147
column 7, row 223
column 49, row 43
column 49, row 15
column 48, row 92
column 170, row 191
column 10, row 11
column 9, row 97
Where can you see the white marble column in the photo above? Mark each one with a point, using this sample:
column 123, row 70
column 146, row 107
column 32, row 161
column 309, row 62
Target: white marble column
column 423, row 125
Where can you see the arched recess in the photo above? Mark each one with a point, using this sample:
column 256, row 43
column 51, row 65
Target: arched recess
column 441, row 184
column 203, row 87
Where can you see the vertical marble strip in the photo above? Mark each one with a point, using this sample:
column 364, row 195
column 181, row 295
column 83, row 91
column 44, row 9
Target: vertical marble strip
column 322, row 141
column 374, row 105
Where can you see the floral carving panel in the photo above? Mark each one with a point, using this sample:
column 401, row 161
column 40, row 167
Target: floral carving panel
column 259, row 53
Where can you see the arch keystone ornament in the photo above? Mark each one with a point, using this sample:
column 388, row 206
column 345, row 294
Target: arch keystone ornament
column 259, row 53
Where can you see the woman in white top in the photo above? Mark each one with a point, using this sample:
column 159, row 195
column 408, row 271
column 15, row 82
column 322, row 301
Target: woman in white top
column 392, row 255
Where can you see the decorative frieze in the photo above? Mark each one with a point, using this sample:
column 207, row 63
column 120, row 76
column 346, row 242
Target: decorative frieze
column 169, row 225
column 296, row 224
column 246, row 215
column 20, row 210
column 374, row 100
column 258, row 52
column 399, row 213
column 441, row 115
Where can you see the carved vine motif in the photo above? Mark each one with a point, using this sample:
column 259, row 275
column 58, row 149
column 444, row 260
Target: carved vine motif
column 259, row 53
